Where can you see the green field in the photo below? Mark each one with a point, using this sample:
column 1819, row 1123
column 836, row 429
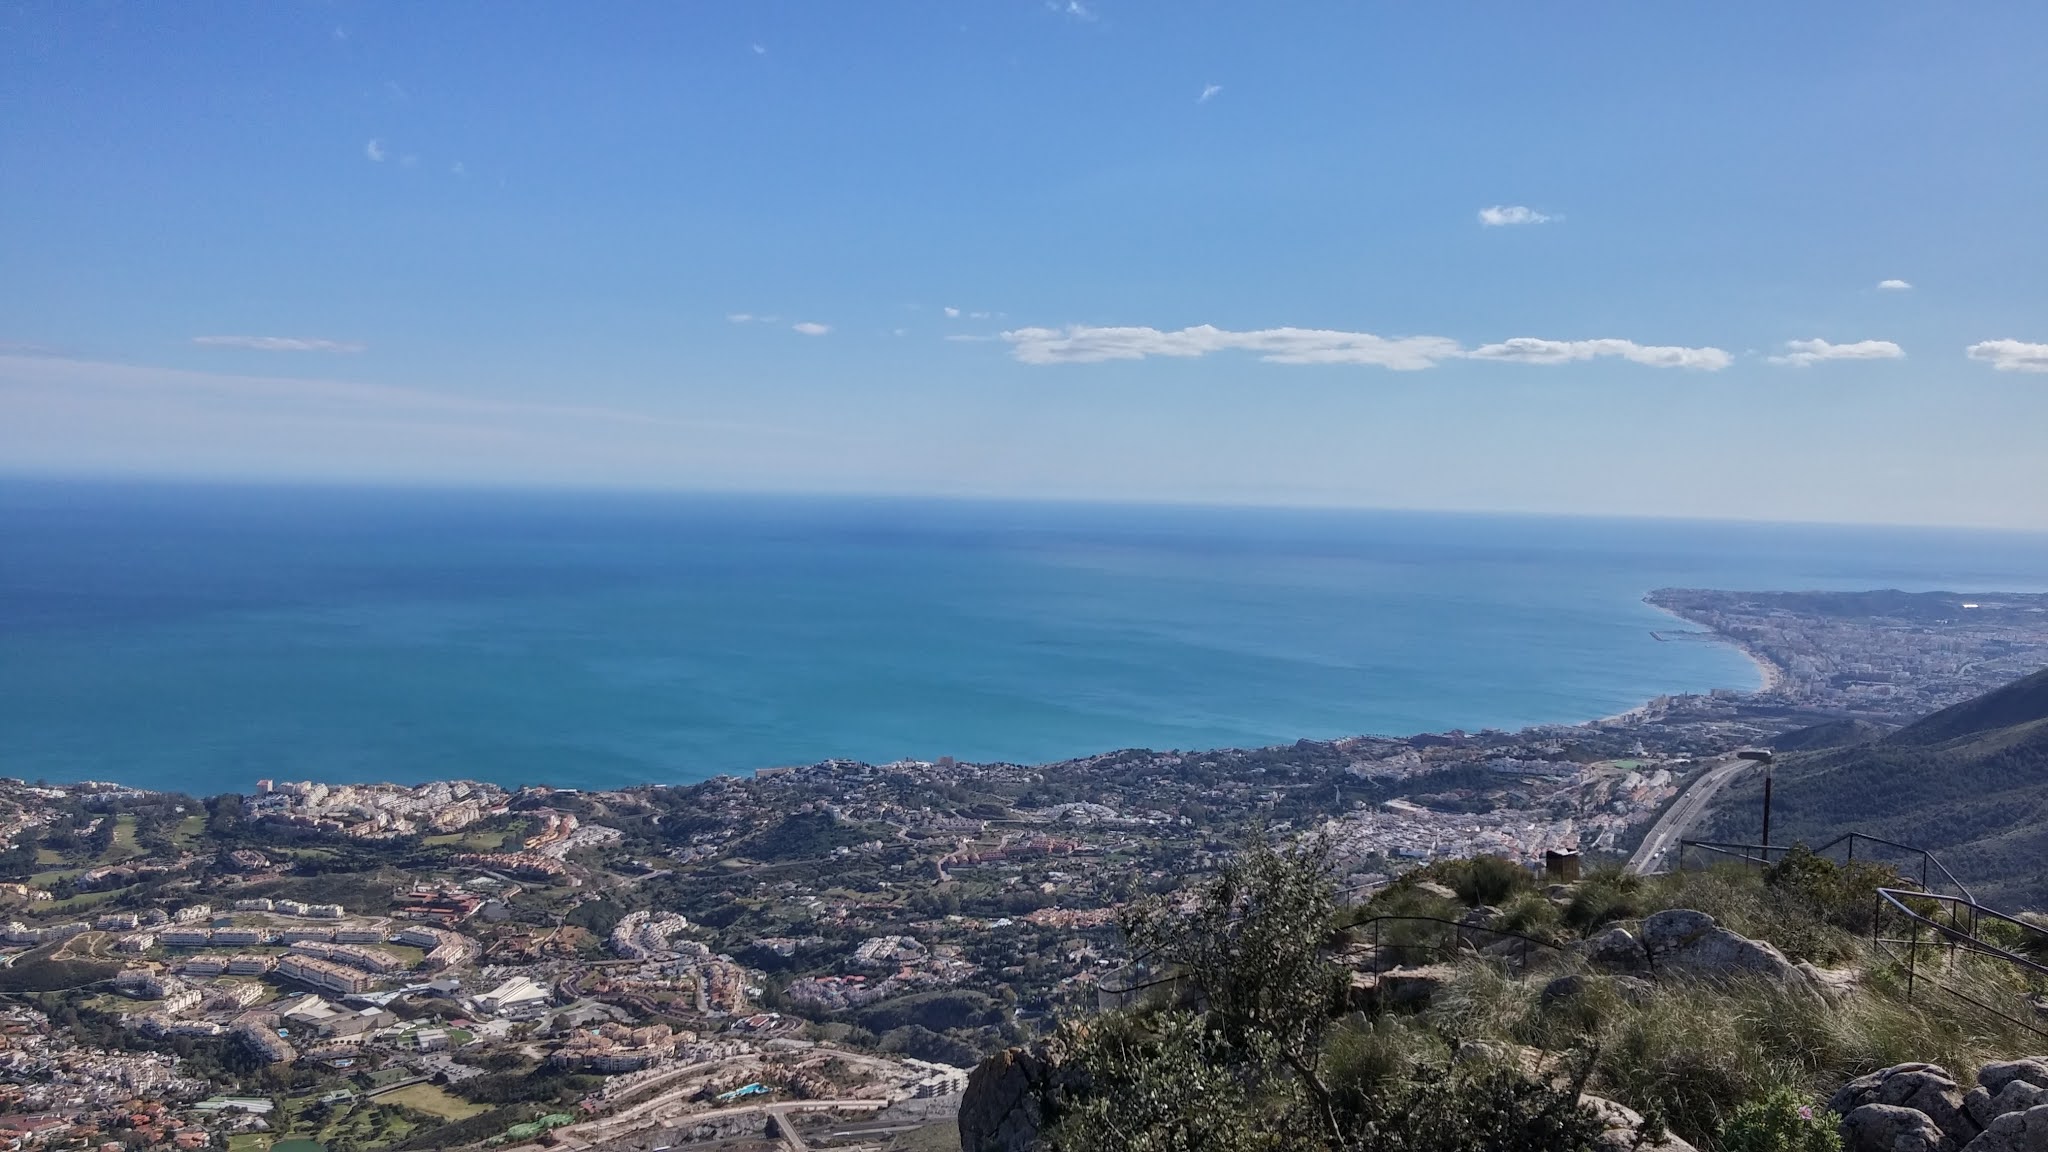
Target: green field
column 433, row 1100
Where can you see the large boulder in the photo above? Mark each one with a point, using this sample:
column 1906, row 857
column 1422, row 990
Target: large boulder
column 1621, row 1128
column 1999, row 1073
column 1925, row 1088
column 1890, row 1128
column 1007, row 1097
column 1683, row 940
column 2014, row 1095
column 2015, row 1132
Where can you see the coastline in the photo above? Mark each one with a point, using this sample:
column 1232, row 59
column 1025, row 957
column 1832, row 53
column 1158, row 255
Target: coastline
column 1768, row 671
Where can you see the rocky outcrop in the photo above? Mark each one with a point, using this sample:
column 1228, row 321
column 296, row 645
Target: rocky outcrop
column 1006, row 1100
column 1890, row 1128
column 1400, row 988
column 1927, row 1089
column 1617, row 951
column 1984, row 1105
column 1686, row 941
column 1993, row 1077
column 1903, row 1108
column 1621, row 1129
column 2015, row 1132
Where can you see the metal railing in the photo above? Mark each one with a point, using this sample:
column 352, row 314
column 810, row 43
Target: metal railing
column 1931, row 868
column 1961, row 933
column 1948, row 922
column 1448, row 945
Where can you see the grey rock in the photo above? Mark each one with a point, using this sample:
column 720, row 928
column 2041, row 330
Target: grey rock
column 1436, row 889
column 1685, row 941
column 1924, row 1088
column 1620, row 1126
column 2015, row 1132
column 1616, row 949
column 2015, row 1095
column 1834, row 984
column 1674, row 928
column 1413, row 987
column 1567, row 987
column 1999, row 1073
column 1008, row 1098
column 1891, row 1128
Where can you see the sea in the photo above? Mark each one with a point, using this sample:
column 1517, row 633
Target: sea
column 199, row 637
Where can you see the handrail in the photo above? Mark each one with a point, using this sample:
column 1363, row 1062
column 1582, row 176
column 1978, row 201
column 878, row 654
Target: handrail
column 1742, row 852
column 1965, row 913
column 1952, row 935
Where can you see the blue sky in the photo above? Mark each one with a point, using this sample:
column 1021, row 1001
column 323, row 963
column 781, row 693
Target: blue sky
column 1617, row 258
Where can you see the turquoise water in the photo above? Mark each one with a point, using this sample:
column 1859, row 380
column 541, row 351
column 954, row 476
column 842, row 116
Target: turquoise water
column 201, row 637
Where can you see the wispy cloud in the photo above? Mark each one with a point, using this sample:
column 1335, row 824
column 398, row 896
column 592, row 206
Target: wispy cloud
column 1084, row 344
column 810, row 327
column 2010, row 355
column 1072, row 8
column 1530, row 350
column 375, row 151
column 1209, row 92
column 1806, row 353
column 278, row 343
column 752, row 318
column 1893, row 285
column 1504, row 215
column 952, row 313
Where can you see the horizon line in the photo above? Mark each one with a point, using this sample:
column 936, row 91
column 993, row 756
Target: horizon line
column 480, row 486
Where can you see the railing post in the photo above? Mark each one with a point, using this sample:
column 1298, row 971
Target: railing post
column 1912, row 955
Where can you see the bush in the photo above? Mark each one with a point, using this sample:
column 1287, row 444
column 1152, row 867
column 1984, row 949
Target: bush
column 1780, row 1122
column 1490, row 880
column 1610, row 893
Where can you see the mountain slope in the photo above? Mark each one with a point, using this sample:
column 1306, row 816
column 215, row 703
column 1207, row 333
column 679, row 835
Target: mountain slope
column 1969, row 783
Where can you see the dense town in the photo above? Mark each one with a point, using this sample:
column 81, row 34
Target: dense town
column 811, row 955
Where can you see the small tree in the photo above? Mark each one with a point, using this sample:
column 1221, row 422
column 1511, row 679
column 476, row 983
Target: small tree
column 1251, row 949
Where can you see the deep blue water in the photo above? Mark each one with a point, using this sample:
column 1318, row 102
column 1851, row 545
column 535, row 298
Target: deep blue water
column 200, row 637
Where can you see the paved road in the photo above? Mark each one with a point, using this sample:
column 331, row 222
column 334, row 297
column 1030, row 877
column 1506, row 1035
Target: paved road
column 1678, row 820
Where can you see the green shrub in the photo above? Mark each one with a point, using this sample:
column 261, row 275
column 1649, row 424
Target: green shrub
column 1780, row 1121
column 1610, row 893
column 1490, row 880
column 1531, row 914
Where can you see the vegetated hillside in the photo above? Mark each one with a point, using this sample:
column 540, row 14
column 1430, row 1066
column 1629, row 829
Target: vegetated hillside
column 1969, row 783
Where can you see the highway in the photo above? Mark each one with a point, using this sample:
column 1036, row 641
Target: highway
column 1678, row 820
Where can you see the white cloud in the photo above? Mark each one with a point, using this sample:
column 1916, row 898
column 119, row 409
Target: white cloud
column 457, row 169
column 1209, row 92
column 375, row 151
column 1530, row 350
column 1073, row 8
column 278, row 343
column 752, row 318
column 760, row 50
column 1083, row 344
column 811, row 327
column 952, row 313
column 2010, row 355
column 1893, row 285
column 1501, row 215
column 1805, row 353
